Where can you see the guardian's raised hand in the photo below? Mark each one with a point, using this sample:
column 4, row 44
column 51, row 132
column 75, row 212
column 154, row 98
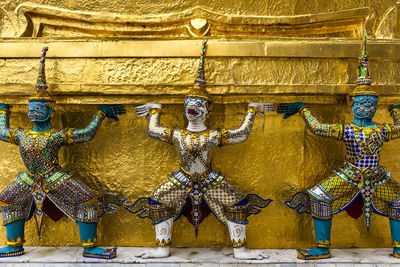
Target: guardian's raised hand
column 143, row 110
column 4, row 106
column 113, row 111
column 394, row 107
column 289, row 109
column 262, row 107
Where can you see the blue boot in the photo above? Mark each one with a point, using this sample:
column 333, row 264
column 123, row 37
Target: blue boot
column 15, row 237
column 395, row 231
column 323, row 237
column 88, row 233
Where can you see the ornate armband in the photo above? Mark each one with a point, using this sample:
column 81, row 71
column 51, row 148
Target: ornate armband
column 252, row 109
column 392, row 132
column 69, row 136
column 337, row 131
column 155, row 111
column 4, row 111
column 167, row 135
column 13, row 135
column 101, row 114
column 303, row 108
column 395, row 114
column 223, row 137
column 334, row 130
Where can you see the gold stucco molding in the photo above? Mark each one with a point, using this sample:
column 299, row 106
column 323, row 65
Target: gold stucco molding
column 110, row 48
column 128, row 94
column 36, row 20
column 133, row 72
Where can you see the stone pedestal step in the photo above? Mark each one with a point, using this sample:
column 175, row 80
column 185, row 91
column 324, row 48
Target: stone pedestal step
column 190, row 257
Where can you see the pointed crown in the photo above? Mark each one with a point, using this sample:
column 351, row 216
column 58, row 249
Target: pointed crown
column 364, row 80
column 41, row 92
column 199, row 88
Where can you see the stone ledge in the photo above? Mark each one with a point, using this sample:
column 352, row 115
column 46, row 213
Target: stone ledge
column 120, row 48
column 71, row 256
column 126, row 94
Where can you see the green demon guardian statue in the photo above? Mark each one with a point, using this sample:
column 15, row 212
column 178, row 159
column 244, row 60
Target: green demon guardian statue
column 44, row 187
column 361, row 185
column 196, row 189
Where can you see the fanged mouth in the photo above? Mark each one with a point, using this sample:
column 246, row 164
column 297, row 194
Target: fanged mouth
column 365, row 110
column 34, row 114
column 192, row 112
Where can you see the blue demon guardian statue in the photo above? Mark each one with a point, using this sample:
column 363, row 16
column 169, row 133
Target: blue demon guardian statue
column 361, row 185
column 44, row 187
column 196, row 189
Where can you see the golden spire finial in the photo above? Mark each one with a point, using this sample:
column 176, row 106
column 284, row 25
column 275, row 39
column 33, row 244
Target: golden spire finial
column 41, row 92
column 199, row 88
column 363, row 81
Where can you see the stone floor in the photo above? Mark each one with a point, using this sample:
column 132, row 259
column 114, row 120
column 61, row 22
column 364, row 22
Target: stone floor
column 189, row 257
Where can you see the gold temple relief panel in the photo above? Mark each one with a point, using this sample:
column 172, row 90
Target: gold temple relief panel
column 46, row 21
column 194, row 18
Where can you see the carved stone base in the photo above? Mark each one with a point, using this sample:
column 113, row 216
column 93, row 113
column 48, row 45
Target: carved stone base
column 216, row 257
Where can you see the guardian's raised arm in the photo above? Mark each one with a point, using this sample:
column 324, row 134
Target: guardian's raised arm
column 240, row 134
column 334, row 130
column 74, row 136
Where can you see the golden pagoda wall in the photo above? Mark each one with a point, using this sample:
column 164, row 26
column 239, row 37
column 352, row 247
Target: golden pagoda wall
column 310, row 59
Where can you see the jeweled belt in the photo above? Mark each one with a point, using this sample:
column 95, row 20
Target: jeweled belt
column 196, row 177
column 363, row 175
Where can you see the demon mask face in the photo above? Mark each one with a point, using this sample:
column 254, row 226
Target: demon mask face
column 196, row 109
column 39, row 111
column 364, row 106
